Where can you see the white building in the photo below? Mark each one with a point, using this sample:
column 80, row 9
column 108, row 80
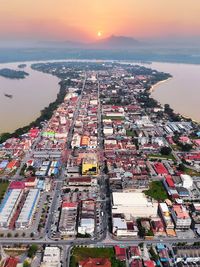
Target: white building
column 52, row 257
column 8, row 206
column 135, row 204
column 86, row 226
column 63, row 120
column 27, row 212
column 187, row 181
column 120, row 228
column 76, row 140
column 108, row 130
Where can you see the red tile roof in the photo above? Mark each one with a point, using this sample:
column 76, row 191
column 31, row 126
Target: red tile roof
column 120, row 253
column 69, row 204
column 30, row 180
column 149, row 263
column 11, row 262
column 160, row 168
column 170, row 182
column 136, row 263
column 17, row 185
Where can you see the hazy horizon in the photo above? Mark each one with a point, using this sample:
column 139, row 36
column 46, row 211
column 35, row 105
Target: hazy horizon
column 23, row 21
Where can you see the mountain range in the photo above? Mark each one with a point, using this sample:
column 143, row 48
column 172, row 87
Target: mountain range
column 110, row 42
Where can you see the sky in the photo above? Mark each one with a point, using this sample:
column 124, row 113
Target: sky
column 88, row 20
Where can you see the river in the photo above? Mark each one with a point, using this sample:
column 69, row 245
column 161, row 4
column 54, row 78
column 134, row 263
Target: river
column 35, row 92
column 30, row 95
column 182, row 92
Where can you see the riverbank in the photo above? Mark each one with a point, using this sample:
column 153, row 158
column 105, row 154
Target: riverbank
column 153, row 87
column 182, row 116
column 45, row 114
column 29, row 97
column 182, row 92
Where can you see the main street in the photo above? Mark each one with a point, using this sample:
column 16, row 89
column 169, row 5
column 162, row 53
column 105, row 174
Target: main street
column 102, row 237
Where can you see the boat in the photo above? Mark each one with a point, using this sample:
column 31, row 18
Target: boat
column 7, row 95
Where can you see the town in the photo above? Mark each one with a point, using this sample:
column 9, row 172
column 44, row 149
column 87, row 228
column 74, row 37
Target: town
column 106, row 177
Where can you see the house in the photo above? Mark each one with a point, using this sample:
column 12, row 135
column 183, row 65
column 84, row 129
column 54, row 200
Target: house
column 149, row 263
column 11, row 262
column 120, row 253
column 136, row 263
column 135, row 252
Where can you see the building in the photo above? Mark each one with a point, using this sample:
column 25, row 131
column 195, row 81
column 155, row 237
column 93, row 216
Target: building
column 133, row 203
column 87, row 218
column 90, row 164
column 92, row 262
column 81, row 181
column 158, row 227
column 11, row 262
column 31, row 182
column 123, row 228
column 120, row 253
column 17, row 185
column 165, row 215
column 136, row 263
column 9, row 206
column 160, row 169
column 187, row 181
column 195, row 216
column 181, row 217
column 149, row 263
column 85, row 141
column 25, row 217
column 67, row 225
column 52, row 257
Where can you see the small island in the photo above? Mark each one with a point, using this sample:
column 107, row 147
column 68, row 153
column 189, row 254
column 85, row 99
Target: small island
column 21, row 66
column 13, row 74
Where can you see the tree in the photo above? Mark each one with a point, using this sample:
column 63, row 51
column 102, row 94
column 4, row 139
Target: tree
column 186, row 147
column 9, row 235
column 181, row 167
column 32, row 251
column 166, row 150
column 154, row 255
column 26, row 264
column 32, row 234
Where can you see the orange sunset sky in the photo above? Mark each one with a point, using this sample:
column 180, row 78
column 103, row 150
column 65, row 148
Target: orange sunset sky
column 87, row 20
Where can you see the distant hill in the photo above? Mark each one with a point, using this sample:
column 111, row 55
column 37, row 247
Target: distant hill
column 117, row 42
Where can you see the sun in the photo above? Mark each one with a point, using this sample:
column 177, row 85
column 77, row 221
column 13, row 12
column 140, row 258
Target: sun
column 99, row 33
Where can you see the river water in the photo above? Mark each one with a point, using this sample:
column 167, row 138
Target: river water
column 35, row 92
column 182, row 92
column 30, row 95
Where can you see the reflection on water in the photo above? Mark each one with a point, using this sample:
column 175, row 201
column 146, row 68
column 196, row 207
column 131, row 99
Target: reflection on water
column 30, row 95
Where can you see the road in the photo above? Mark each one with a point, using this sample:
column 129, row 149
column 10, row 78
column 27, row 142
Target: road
column 101, row 238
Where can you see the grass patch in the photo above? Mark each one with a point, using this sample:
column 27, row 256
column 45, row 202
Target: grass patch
column 159, row 156
column 176, row 147
column 3, row 187
column 191, row 172
column 130, row 133
column 82, row 253
column 156, row 191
